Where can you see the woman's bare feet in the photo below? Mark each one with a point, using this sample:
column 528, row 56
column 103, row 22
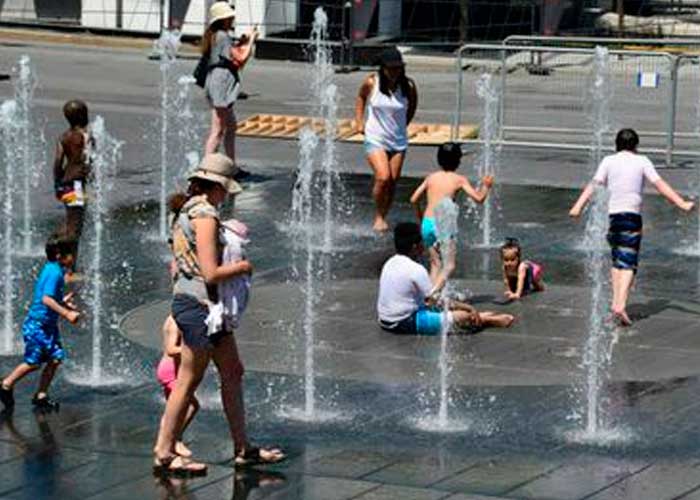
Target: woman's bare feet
column 182, row 450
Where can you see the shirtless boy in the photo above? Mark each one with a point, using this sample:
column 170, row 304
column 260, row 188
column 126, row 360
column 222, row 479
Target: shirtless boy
column 438, row 186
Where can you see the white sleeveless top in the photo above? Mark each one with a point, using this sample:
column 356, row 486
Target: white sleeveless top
column 385, row 119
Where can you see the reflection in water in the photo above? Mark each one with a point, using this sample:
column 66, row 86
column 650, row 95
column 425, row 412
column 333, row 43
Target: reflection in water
column 630, row 393
column 172, row 488
column 40, row 455
column 247, row 480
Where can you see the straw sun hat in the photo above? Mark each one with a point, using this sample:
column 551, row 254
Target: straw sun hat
column 219, row 11
column 219, row 168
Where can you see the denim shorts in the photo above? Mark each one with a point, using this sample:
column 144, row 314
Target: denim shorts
column 371, row 147
column 190, row 316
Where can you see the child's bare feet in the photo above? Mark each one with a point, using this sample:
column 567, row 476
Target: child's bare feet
column 505, row 320
column 182, row 450
column 493, row 319
column 380, row 225
column 620, row 315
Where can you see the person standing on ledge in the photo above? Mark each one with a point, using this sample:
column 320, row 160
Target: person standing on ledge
column 385, row 105
column 624, row 174
column 227, row 56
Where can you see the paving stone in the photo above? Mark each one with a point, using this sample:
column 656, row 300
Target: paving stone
column 39, row 470
column 573, row 481
column 387, row 492
column 462, row 496
column 662, row 481
column 351, row 464
column 419, row 471
column 498, row 476
column 322, row 488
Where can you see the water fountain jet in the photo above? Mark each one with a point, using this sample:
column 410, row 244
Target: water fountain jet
column 446, row 225
column 28, row 144
column 489, row 93
column 598, row 349
column 104, row 157
column 166, row 47
column 10, row 131
column 313, row 183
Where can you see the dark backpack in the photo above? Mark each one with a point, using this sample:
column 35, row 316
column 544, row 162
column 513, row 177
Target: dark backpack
column 203, row 68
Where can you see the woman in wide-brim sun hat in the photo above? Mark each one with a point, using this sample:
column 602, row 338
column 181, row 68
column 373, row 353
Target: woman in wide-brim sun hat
column 197, row 253
column 227, row 56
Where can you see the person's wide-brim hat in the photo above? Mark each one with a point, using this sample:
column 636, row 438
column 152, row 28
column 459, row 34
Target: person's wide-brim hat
column 219, row 11
column 219, row 168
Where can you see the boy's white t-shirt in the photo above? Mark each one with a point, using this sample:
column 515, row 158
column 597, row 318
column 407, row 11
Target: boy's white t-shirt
column 624, row 175
column 403, row 286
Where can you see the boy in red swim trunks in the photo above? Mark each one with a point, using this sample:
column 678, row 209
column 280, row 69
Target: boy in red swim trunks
column 166, row 373
column 71, row 170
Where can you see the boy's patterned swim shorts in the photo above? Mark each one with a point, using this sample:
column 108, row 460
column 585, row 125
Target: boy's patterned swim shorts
column 41, row 344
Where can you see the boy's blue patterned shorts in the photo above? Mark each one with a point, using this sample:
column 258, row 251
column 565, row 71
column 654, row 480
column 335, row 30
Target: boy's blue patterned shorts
column 41, row 344
column 625, row 239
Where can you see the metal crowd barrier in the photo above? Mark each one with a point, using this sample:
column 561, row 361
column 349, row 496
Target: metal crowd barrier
column 559, row 41
column 644, row 79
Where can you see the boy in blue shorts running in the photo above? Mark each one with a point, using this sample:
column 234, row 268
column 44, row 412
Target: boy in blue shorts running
column 42, row 342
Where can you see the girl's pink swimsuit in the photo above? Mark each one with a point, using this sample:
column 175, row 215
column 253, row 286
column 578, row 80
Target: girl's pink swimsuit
column 166, row 373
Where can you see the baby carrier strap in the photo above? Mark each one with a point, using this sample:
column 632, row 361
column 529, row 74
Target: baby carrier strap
column 184, row 244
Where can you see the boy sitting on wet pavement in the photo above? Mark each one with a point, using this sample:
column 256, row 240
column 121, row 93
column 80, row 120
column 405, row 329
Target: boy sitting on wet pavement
column 404, row 305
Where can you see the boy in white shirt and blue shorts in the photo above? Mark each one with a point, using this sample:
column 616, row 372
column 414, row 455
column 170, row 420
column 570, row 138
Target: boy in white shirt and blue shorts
column 624, row 173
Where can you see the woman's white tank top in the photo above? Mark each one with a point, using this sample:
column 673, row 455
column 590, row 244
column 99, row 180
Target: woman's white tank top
column 385, row 122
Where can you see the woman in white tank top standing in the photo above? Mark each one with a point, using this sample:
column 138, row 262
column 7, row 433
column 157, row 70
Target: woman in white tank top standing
column 385, row 105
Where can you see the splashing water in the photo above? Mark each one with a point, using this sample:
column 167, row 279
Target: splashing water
column 105, row 156
column 307, row 187
column 446, row 225
column 10, row 131
column 599, row 344
column 489, row 93
column 29, row 143
column 446, row 213
column 325, row 97
column 168, row 44
column 188, row 132
column 693, row 248
column 167, row 49
column 302, row 210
